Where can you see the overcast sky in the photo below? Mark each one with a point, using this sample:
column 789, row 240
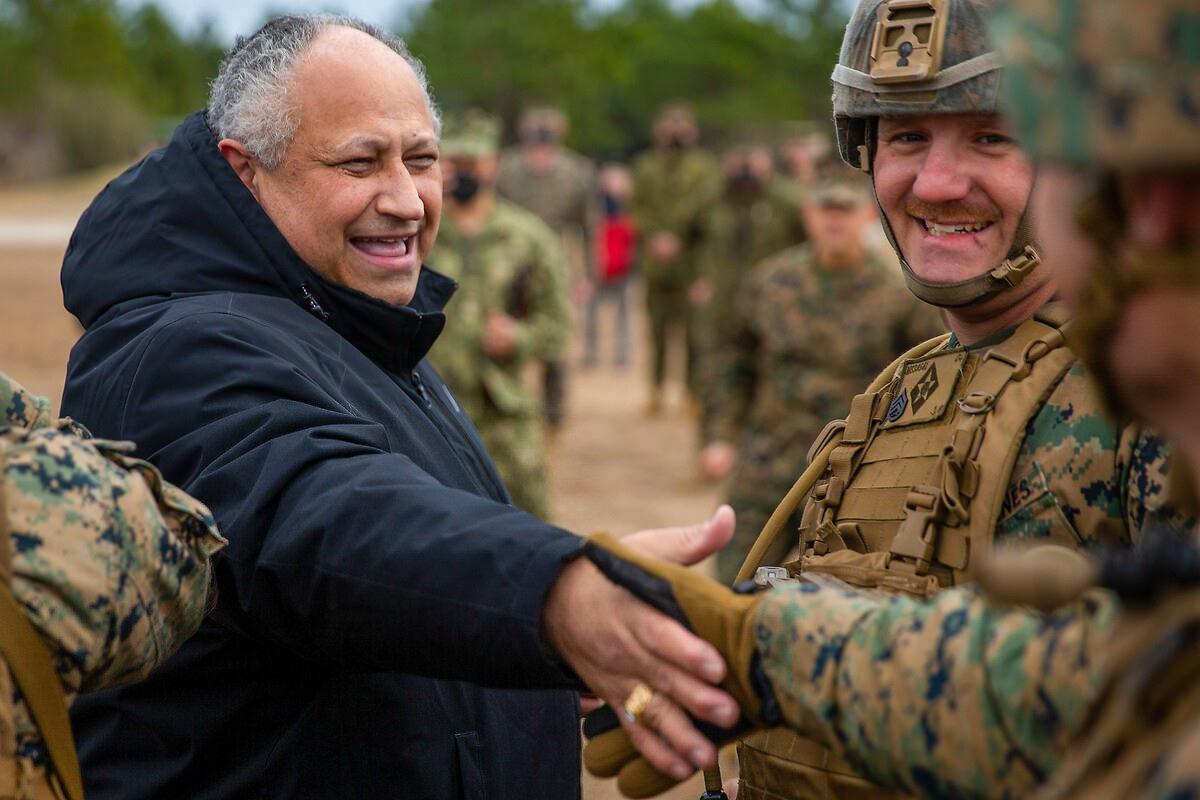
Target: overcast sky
column 243, row 16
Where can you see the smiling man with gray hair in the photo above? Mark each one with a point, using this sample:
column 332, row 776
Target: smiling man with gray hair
column 257, row 311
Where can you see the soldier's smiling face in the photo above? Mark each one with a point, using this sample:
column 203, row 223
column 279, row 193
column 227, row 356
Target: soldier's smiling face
column 954, row 188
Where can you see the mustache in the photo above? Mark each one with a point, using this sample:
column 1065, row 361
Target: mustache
column 958, row 211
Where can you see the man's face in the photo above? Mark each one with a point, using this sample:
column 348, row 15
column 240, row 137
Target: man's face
column 675, row 132
column 468, row 177
column 359, row 193
column 835, row 229
column 1152, row 350
column 954, row 188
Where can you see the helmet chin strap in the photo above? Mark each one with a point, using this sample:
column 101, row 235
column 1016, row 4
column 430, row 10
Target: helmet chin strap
column 1021, row 260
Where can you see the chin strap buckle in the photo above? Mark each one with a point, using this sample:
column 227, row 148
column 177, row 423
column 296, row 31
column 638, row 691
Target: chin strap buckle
column 1013, row 270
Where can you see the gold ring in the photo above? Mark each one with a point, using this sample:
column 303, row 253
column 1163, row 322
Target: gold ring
column 635, row 705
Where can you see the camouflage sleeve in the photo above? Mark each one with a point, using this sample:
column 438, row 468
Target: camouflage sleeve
column 734, row 371
column 110, row 562
column 21, row 407
column 542, row 334
column 951, row 697
column 1150, row 493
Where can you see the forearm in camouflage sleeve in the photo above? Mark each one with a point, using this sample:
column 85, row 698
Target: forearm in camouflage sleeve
column 543, row 334
column 109, row 562
column 21, row 407
column 949, row 697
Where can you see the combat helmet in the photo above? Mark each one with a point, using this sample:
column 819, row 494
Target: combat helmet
column 1107, row 87
column 902, row 57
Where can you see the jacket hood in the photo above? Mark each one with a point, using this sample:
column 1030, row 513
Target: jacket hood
column 180, row 223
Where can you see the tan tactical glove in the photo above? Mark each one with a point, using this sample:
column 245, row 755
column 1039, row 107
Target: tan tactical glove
column 713, row 612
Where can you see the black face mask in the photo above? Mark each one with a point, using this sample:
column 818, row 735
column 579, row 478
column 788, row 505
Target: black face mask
column 539, row 135
column 676, row 142
column 466, row 186
column 744, row 181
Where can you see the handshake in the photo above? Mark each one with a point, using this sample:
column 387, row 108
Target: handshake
column 632, row 742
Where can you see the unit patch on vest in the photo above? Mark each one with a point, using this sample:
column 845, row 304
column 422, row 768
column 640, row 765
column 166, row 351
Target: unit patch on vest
column 926, row 389
column 926, row 386
column 896, row 409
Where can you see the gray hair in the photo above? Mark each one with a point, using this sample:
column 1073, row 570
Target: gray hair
column 249, row 97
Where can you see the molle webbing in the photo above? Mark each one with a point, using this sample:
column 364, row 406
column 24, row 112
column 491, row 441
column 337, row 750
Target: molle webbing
column 32, row 671
column 924, row 486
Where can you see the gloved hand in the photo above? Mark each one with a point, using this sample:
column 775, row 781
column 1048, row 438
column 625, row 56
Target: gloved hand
column 713, row 612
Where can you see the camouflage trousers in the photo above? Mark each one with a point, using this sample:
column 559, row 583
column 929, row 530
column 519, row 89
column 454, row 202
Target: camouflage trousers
column 668, row 311
column 516, row 444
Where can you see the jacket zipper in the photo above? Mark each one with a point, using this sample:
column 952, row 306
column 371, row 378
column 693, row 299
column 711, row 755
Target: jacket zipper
column 441, row 417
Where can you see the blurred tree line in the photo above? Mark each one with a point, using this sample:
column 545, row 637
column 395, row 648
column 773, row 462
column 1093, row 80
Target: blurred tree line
column 610, row 71
column 86, row 82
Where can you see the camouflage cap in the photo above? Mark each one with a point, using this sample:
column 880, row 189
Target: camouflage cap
column 473, row 133
column 835, row 194
column 1105, row 82
column 542, row 121
column 903, row 57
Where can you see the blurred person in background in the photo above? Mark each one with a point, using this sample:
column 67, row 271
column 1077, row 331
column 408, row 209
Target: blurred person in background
column 755, row 216
column 673, row 183
column 511, row 308
column 810, row 326
column 616, row 249
column 559, row 186
column 802, row 155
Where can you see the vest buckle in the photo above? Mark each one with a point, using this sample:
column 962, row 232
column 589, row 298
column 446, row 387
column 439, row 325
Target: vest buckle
column 918, row 534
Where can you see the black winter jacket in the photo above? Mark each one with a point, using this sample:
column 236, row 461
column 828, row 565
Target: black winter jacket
column 376, row 580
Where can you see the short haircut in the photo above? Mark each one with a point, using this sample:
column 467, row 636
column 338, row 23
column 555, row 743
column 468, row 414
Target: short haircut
column 249, row 99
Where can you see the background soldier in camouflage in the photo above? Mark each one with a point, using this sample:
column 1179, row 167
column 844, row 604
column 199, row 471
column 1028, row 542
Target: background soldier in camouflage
column 510, row 309
column 754, row 217
column 559, row 186
column 948, row 696
column 108, row 562
column 810, row 327
column 672, row 185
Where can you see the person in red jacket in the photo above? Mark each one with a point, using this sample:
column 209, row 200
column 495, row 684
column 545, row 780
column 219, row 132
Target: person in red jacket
column 616, row 246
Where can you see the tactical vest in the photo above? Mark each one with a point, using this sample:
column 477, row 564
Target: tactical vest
column 915, row 481
column 29, row 665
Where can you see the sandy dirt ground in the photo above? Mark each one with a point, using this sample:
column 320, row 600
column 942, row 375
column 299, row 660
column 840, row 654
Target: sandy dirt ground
column 613, row 469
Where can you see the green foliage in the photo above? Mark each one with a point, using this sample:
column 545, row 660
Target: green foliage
column 97, row 78
column 104, row 78
column 611, row 71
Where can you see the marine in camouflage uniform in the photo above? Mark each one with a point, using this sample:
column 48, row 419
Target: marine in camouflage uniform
column 108, row 562
column 755, row 216
column 672, row 185
column 559, row 186
column 508, row 267
column 803, row 338
column 943, row 693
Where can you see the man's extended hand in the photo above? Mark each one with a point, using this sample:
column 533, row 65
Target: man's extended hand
column 500, row 335
column 718, row 615
column 613, row 641
column 717, row 460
